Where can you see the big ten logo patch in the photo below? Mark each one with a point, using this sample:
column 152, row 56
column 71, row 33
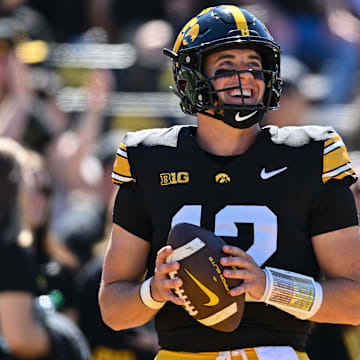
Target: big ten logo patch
column 173, row 178
column 104, row 353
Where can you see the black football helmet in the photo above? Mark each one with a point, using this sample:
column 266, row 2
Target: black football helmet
column 215, row 29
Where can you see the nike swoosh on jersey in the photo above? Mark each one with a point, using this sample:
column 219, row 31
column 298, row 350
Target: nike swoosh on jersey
column 267, row 175
column 242, row 118
column 213, row 298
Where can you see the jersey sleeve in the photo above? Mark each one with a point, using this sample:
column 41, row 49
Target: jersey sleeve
column 336, row 209
column 130, row 213
column 336, row 161
column 121, row 168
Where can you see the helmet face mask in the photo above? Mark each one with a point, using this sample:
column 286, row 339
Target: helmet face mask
column 216, row 29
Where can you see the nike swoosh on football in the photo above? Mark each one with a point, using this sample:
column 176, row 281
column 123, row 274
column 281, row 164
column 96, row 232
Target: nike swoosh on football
column 242, row 118
column 266, row 175
column 213, row 298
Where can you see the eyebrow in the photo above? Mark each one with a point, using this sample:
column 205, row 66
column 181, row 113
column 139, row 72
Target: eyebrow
column 230, row 56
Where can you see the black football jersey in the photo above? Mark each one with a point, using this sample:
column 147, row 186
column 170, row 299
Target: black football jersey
column 291, row 184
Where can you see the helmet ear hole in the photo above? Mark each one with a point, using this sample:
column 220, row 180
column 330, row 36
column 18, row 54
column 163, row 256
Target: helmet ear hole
column 203, row 98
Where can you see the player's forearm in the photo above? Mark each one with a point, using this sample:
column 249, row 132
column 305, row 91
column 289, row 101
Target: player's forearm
column 121, row 306
column 341, row 302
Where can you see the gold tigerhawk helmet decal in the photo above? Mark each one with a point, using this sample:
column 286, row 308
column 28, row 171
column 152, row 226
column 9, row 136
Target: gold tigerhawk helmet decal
column 189, row 32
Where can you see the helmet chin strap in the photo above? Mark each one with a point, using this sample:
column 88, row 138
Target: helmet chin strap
column 239, row 119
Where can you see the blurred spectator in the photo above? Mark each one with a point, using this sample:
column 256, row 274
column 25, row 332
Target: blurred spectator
column 28, row 112
column 129, row 17
column 74, row 145
column 149, row 39
column 113, row 16
column 78, row 173
column 179, row 12
column 55, row 264
column 83, row 229
column 83, row 224
column 28, row 328
column 34, row 25
column 305, row 29
column 22, row 332
column 73, row 13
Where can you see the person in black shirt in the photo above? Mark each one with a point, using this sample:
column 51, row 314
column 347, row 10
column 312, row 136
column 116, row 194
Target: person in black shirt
column 23, row 333
column 30, row 326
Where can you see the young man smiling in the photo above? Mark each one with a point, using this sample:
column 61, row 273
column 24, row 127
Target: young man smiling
column 227, row 72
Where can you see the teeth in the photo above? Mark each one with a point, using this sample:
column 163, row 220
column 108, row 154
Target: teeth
column 237, row 92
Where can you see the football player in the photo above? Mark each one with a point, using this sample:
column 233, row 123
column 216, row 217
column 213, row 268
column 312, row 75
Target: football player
column 279, row 197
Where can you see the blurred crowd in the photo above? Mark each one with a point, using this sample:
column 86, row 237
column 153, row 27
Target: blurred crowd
column 74, row 77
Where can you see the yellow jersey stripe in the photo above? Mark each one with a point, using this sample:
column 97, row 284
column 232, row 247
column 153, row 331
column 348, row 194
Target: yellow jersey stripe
column 332, row 140
column 122, row 166
column 119, row 179
column 342, row 175
column 103, row 353
column 336, row 144
column 251, row 354
column 241, row 354
column 240, row 19
column 335, row 159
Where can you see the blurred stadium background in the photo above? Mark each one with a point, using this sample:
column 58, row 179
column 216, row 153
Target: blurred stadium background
column 76, row 74
column 321, row 40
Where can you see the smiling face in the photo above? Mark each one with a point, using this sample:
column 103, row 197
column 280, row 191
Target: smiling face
column 252, row 87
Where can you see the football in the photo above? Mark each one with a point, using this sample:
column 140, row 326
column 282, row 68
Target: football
column 205, row 289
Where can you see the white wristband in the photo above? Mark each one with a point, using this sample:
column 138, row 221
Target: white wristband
column 147, row 299
column 293, row 293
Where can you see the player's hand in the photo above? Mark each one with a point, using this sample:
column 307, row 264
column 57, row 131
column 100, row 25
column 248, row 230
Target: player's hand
column 254, row 278
column 161, row 284
column 98, row 84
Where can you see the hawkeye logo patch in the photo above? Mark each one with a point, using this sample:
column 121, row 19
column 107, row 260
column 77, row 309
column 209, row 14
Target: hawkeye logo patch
column 213, row 298
column 222, row 178
column 174, row 178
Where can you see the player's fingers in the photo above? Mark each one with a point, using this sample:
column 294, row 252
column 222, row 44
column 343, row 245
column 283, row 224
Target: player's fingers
column 162, row 255
column 172, row 285
column 235, row 262
column 176, row 299
column 161, row 267
column 241, row 274
column 239, row 290
column 237, row 252
column 163, row 289
column 162, row 270
column 254, row 286
column 234, row 250
column 167, row 284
